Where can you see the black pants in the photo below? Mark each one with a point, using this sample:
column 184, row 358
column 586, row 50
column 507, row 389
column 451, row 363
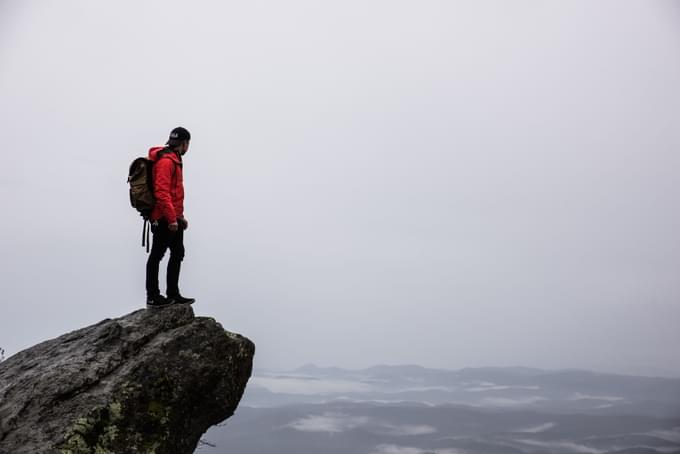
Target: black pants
column 163, row 239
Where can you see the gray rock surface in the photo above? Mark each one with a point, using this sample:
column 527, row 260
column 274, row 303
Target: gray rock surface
column 152, row 381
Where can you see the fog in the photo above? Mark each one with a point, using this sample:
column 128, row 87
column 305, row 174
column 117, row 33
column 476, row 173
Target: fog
column 444, row 183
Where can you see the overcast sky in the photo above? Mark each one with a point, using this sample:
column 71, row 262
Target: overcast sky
column 443, row 183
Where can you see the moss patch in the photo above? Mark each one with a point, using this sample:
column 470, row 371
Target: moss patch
column 94, row 433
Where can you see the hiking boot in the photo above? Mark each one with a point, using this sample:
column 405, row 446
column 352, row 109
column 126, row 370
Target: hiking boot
column 179, row 299
column 157, row 301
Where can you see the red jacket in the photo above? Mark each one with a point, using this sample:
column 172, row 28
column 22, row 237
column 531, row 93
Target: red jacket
column 168, row 185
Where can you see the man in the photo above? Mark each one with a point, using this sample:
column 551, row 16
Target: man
column 167, row 219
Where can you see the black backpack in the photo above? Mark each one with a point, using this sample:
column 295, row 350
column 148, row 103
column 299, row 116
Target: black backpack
column 140, row 179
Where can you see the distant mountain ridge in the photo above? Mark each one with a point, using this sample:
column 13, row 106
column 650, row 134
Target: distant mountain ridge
column 566, row 390
column 511, row 370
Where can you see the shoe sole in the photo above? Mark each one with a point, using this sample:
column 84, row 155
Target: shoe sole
column 158, row 306
column 188, row 302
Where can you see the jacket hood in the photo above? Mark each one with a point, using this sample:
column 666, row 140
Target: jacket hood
column 153, row 154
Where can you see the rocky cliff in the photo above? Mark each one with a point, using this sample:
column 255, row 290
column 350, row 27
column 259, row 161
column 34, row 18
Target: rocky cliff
column 152, row 381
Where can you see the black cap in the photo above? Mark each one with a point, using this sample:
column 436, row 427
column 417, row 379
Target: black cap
column 179, row 134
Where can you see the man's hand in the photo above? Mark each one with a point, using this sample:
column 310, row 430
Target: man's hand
column 183, row 223
column 173, row 227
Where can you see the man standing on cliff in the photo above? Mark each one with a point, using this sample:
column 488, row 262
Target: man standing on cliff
column 167, row 219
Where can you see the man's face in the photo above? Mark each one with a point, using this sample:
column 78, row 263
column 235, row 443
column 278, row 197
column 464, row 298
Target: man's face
column 184, row 148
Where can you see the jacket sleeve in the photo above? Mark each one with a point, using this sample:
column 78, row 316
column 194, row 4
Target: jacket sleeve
column 163, row 170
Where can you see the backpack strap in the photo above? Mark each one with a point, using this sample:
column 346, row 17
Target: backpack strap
column 145, row 234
